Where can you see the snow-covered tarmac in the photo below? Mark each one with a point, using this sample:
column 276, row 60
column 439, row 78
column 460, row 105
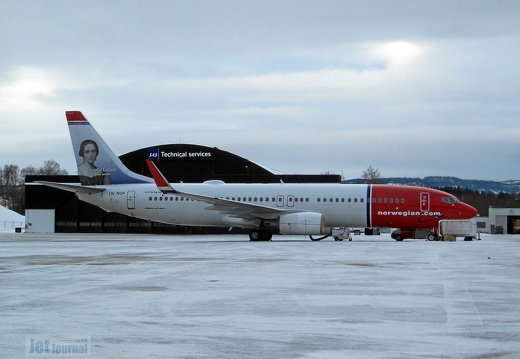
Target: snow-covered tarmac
column 147, row 296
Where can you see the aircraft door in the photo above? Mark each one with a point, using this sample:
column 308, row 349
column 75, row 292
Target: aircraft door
column 130, row 199
column 425, row 202
column 290, row 201
column 279, row 200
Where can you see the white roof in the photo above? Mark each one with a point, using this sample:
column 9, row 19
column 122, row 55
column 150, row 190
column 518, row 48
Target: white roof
column 10, row 219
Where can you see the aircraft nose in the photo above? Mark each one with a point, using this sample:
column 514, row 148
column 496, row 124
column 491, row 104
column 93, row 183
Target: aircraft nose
column 469, row 211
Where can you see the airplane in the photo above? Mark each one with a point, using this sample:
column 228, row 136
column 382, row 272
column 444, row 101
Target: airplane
column 294, row 209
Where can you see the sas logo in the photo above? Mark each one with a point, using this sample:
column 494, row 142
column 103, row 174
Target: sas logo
column 153, row 153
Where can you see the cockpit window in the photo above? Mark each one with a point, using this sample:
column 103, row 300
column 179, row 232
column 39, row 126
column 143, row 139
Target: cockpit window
column 450, row 199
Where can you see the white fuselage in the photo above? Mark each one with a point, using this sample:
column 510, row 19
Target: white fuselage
column 342, row 205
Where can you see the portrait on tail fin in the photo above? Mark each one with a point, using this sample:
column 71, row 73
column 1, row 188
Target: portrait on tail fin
column 88, row 172
column 97, row 163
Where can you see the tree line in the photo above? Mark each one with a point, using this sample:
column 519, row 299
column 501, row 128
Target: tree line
column 12, row 182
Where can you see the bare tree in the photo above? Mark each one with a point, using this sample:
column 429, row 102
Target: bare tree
column 51, row 168
column 9, row 182
column 28, row 171
column 371, row 175
column 12, row 182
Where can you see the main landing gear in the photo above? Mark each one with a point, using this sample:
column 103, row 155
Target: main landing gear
column 260, row 234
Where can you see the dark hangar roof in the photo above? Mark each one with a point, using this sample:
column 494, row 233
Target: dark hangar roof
column 195, row 163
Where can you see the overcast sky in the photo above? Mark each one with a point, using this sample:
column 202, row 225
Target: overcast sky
column 413, row 88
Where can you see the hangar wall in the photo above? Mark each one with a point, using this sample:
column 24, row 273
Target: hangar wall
column 508, row 218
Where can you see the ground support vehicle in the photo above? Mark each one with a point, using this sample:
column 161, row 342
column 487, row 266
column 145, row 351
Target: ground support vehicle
column 402, row 233
column 447, row 230
column 341, row 233
column 450, row 229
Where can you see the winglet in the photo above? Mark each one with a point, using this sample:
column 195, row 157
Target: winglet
column 160, row 181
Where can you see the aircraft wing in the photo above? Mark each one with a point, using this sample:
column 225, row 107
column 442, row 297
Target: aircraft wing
column 235, row 208
column 72, row 187
column 225, row 206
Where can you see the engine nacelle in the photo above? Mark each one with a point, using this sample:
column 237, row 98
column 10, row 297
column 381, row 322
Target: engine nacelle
column 302, row 223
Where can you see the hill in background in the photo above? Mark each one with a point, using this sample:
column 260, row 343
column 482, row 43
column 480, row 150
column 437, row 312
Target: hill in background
column 510, row 187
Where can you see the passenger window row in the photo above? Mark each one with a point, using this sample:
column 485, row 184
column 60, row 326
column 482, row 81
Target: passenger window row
column 290, row 199
column 355, row 200
column 169, row 198
column 387, row 200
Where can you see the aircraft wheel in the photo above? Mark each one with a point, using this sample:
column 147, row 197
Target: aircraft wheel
column 266, row 235
column 254, row 235
column 432, row 237
column 257, row 235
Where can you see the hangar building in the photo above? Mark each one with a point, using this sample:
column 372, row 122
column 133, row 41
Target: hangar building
column 52, row 210
column 500, row 221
